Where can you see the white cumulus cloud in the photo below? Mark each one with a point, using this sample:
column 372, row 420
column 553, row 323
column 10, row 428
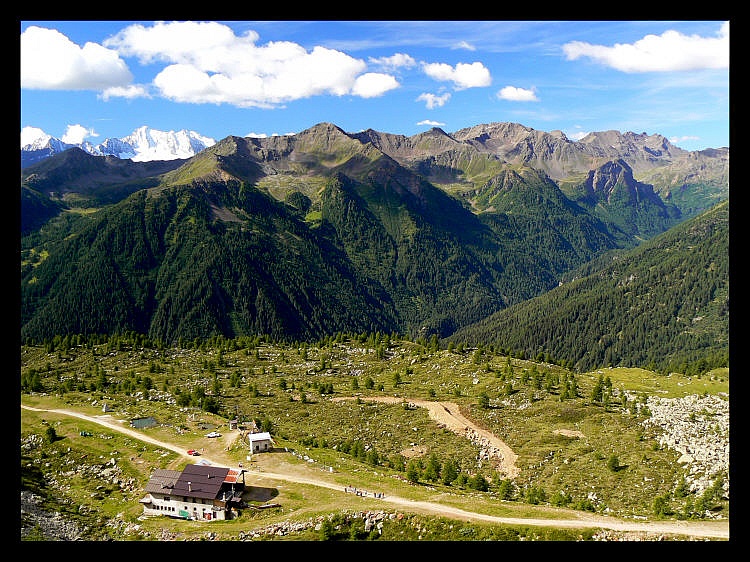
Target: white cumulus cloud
column 463, row 75
column 431, row 123
column 208, row 45
column 129, row 92
column 51, row 61
column 432, row 100
column 207, row 63
column 30, row 134
column 670, row 51
column 512, row 93
column 76, row 134
column 394, row 62
column 373, row 84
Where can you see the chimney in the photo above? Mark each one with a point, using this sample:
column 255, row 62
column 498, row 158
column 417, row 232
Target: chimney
column 190, row 488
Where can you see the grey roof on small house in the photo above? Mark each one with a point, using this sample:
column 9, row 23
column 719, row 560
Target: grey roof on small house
column 162, row 481
column 264, row 436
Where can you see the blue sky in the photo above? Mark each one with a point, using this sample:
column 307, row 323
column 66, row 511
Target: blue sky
column 94, row 80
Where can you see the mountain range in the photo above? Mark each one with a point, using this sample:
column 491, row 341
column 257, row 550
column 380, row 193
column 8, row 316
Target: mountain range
column 142, row 145
column 325, row 231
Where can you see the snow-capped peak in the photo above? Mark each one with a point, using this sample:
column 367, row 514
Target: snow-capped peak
column 143, row 144
column 33, row 138
column 151, row 144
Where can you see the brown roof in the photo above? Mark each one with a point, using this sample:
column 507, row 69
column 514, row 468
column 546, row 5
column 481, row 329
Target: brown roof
column 200, row 481
column 162, row 481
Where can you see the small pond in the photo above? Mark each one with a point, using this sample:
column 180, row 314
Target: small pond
column 141, row 423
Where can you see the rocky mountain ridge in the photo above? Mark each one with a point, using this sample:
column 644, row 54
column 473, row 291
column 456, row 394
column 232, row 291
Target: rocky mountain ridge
column 465, row 163
column 511, row 143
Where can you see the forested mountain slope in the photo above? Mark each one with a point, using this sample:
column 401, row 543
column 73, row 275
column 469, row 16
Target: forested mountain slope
column 306, row 235
column 207, row 252
column 663, row 305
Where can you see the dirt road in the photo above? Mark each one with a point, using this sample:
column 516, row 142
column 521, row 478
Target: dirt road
column 449, row 415
column 693, row 529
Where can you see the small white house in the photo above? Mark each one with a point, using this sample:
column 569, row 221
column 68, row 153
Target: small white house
column 260, row 442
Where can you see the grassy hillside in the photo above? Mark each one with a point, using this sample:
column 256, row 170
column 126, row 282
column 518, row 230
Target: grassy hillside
column 312, row 397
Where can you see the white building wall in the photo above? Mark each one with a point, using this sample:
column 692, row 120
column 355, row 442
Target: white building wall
column 178, row 507
column 259, row 442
